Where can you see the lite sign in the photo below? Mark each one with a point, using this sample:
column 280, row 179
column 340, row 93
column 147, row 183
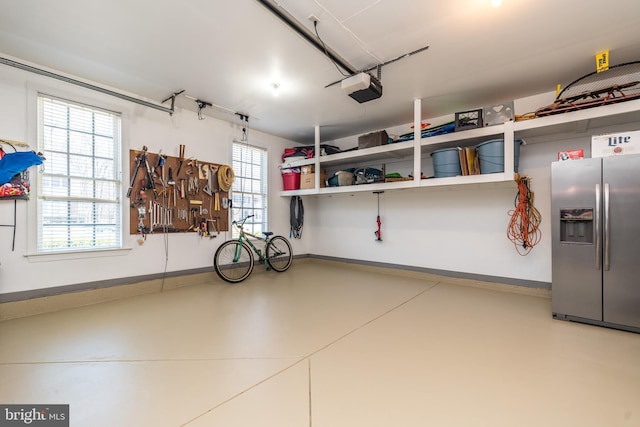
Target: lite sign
column 615, row 144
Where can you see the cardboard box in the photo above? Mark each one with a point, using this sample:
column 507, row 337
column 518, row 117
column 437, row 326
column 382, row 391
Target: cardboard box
column 307, row 169
column 373, row 139
column 308, row 180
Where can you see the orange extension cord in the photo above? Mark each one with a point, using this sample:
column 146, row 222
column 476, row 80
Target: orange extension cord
column 524, row 226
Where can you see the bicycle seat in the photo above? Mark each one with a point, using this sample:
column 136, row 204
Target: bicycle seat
column 267, row 233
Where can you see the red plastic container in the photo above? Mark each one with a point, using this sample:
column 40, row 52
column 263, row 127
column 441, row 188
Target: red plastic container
column 291, row 179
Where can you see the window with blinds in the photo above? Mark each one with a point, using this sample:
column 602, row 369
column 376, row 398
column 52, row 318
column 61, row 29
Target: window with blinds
column 250, row 187
column 79, row 192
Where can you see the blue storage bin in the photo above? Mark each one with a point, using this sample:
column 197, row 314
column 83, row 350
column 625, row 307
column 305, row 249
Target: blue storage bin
column 446, row 162
column 491, row 155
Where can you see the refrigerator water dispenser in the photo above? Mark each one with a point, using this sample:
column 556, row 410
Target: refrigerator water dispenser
column 576, row 226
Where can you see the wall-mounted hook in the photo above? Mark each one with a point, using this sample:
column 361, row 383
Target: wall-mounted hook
column 201, row 106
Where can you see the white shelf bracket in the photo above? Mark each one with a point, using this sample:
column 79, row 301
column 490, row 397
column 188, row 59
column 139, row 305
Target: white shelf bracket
column 417, row 137
column 316, row 167
column 508, row 148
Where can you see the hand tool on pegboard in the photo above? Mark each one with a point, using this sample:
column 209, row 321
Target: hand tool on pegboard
column 141, row 160
column 216, row 199
column 163, row 216
column 207, row 227
column 159, row 169
column 180, row 158
column 182, row 189
column 209, row 186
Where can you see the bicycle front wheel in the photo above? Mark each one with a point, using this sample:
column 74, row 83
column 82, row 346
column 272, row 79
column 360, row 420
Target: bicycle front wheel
column 279, row 254
column 233, row 261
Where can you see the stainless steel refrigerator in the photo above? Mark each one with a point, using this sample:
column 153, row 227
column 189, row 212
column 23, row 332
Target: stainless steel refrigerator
column 595, row 213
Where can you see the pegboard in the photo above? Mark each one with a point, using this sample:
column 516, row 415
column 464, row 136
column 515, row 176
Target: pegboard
column 185, row 195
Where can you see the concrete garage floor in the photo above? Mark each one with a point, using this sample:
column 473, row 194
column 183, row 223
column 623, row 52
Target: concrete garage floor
column 324, row 345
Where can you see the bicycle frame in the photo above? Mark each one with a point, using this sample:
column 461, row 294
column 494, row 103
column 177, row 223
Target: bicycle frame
column 243, row 238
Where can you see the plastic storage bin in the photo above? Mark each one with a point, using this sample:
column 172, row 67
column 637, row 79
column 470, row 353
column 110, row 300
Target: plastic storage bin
column 291, row 179
column 491, row 155
column 342, row 178
column 446, row 163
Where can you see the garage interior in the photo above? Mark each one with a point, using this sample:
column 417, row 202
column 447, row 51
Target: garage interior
column 442, row 321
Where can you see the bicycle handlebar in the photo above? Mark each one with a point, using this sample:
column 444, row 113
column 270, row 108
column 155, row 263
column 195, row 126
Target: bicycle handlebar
column 242, row 221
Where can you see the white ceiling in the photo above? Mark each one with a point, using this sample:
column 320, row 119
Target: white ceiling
column 229, row 52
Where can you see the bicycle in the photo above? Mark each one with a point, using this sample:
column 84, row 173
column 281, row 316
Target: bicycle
column 234, row 259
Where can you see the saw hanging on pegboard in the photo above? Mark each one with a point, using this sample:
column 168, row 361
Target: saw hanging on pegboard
column 524, row 226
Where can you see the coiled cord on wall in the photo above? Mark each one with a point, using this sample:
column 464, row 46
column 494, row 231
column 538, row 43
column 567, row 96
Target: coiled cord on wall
column 524, row 226
column 225, row 177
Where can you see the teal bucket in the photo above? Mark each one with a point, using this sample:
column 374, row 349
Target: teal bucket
column 446, row 163
column 491, row 155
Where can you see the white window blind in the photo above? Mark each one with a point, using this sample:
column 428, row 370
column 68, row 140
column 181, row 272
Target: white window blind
column 79, row 194
column 250, row 186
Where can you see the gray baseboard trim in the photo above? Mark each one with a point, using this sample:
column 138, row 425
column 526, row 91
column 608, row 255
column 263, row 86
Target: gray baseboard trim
column 102, row 284
column 456, row 274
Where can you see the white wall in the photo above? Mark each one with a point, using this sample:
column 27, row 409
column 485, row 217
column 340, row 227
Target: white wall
column 209, row 140
column 461, row 229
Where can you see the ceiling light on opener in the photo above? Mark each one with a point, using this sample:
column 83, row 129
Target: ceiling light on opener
column 275, row 88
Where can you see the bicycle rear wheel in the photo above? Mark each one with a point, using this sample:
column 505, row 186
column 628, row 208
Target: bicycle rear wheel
column 233, row 261
column 279, row 254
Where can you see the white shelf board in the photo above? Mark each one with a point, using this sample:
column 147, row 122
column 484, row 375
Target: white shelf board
column 468, row 136
column 379, row 186
column 297, row 163
column 305, row 192
column 381, row 152
column 573, row 121
column 500, row 177
column 468, row 179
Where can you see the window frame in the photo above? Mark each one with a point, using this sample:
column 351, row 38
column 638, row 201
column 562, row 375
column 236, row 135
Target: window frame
column 115, row 178
column 260, row 222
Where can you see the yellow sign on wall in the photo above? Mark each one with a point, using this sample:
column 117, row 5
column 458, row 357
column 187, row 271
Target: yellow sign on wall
column 602, row 61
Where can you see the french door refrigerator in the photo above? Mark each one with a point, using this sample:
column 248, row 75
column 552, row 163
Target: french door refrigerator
column 595, row 212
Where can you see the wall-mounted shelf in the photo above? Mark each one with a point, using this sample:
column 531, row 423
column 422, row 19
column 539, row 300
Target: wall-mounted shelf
column 373, row 154
column 402, row 185
column 580, row 120
column 296, row 163
column 570, row 122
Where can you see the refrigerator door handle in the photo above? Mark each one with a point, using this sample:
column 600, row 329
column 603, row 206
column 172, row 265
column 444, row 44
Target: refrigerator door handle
column 607, row 258
column 597, row 230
